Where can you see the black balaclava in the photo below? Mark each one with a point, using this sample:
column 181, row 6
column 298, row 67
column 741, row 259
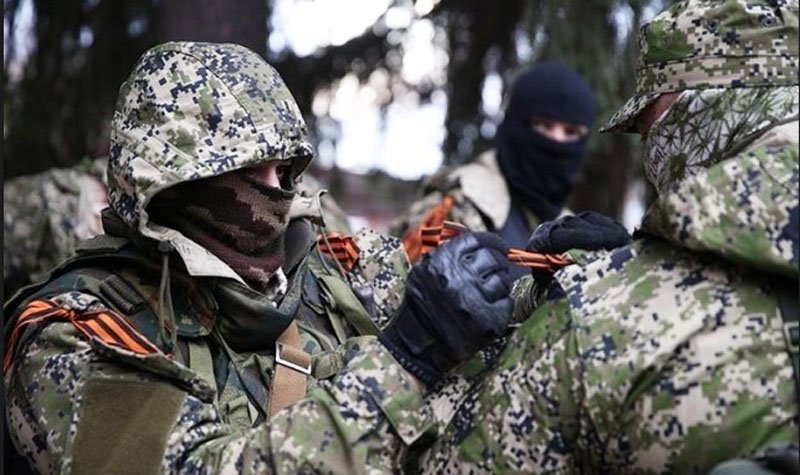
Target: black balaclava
column 539, row 171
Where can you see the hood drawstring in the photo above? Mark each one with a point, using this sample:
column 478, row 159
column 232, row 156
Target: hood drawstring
column 166, row 313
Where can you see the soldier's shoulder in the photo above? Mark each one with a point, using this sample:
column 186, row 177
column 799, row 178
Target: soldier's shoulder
column 652, row 295
column 484, row 167
column 610, row 280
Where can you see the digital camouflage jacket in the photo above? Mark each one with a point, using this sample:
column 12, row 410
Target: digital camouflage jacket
column 668, row 355
column 93, row 383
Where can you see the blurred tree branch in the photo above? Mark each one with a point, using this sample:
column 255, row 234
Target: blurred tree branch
column 307, row 74
column 59, row 104
column 474, row 30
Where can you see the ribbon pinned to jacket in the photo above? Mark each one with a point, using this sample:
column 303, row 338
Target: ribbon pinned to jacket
column 341, row 247
column 105, row 325
column 414, row 240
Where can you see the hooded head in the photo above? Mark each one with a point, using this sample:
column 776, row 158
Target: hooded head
column 732, row 70
column 540, row 167
column 191, row 123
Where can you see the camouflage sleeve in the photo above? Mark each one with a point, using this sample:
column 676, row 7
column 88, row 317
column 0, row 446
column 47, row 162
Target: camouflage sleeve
column 590, row 384
column 524, row 416
column 82, row 406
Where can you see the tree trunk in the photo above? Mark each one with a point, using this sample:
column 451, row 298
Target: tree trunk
column 474, row 29
column 242, row 22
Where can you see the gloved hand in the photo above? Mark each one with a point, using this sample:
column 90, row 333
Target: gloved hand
column 588, row 230
column 457, row 300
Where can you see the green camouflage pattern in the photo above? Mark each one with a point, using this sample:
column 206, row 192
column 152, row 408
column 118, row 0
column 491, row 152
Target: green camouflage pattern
column 710, row 205
column 45, row 215
column 191, row 111
column 669, row 363
column 679, row 142
column 382, row 266
column 339, row 428
column 702, row 44
column 666, row 355
column 482, row 201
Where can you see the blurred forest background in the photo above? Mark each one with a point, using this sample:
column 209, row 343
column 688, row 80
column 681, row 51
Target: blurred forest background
column 391, row 89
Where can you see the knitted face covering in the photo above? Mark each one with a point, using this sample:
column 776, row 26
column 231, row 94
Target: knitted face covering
column 235, row 217
column 538, row 170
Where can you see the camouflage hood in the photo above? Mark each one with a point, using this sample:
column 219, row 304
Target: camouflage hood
column 190, row 111
column 725, row 164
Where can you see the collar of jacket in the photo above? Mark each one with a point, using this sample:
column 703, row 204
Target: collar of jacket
column 483, row 184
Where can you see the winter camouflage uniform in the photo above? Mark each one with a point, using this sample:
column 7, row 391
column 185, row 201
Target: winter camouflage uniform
column 47, row 214
column 668, row 355
column 93, row 382
column 481, row 199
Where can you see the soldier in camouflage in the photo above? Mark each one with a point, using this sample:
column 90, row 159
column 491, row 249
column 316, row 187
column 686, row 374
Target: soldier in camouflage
column 540, row 145
column 178, row 341
column 668, row 355
column 47, row 214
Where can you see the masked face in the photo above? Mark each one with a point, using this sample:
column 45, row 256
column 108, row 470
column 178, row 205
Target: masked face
column 237, row 216
column 542, row 138
column 540, row 169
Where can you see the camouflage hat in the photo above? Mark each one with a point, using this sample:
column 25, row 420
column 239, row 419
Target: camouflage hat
column 701, row 44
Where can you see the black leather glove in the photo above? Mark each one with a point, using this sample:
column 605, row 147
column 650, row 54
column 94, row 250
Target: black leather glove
column 588, row 230
column 457, row 300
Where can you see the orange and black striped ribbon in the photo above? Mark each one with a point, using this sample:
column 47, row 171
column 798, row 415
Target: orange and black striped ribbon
column 105, row 325
column 341, row 247
column 434, row 236
column 414, row 240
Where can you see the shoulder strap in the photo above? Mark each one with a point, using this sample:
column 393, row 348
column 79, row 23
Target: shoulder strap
column 788, row 302
column 88, row 271
column 292, row 369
